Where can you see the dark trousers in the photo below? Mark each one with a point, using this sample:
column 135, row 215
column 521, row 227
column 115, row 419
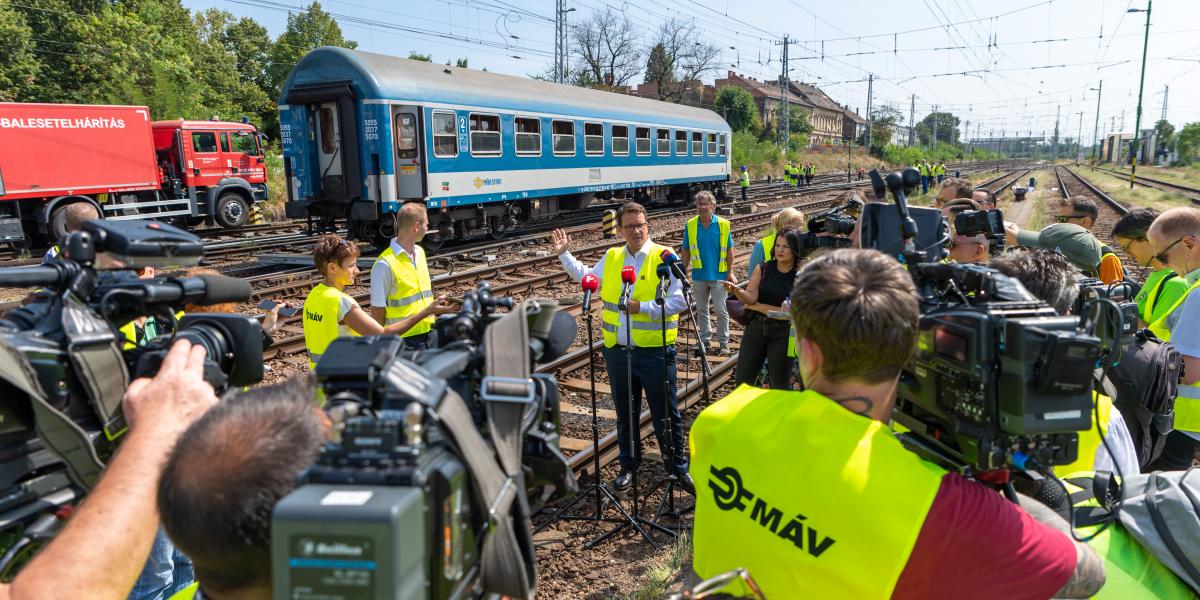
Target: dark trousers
column 424, row 341
column 940, row 178
column 745, row 192
column 765, row 340
column 808, row 179
column 1179, row 453
column 924, row 184
column 648, row 378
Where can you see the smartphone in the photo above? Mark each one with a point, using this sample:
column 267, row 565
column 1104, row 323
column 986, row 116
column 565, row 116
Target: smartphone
column 285, row 312
column 727, row 283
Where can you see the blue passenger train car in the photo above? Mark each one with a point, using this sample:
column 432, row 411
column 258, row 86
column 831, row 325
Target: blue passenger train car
column 363, row 133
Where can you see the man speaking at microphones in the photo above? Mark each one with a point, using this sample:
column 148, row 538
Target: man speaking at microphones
column 629, row 281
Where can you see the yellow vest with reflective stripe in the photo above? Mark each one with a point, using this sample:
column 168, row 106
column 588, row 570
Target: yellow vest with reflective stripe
column 320, row 320
column 413, row 291
column 792, row 340
column 723, row 233
column 646, row 332
column 1187, row 402
column 745, row 180
column 186, row 593
column 1090, row 440
column 1130, row 571
column 768, row 245
column 812, row 499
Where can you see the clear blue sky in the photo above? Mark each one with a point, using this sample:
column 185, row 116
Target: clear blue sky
column 1004, row 66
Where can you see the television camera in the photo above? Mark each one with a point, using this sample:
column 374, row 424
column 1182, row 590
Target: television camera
column 441, row 457
column 65, row 366
column 830, row 228
column 998, row 380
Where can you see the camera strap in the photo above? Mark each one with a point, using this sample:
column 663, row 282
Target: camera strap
column 508, row 562
column 96, row 357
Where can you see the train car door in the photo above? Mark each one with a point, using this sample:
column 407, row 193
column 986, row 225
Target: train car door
column 329, row 140
column 410, row 174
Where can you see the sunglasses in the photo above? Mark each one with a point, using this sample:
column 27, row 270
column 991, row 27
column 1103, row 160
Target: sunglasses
column 1162, row 256
column 1067, row 218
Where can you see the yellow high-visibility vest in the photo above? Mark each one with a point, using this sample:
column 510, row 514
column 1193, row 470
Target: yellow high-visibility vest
column 413, row 291
column 694, row 250
column 745, row 181
column 1187, row 402
column 1090, row 439
column 321, row 320
column 646, row 332
column 806, row 495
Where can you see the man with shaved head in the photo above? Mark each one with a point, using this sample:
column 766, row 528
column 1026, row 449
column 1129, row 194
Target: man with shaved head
column 1174, row 237
column 400, row 285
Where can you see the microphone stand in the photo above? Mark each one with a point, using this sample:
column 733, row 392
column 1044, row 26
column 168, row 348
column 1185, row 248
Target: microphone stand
column 701, row 350
column 666, row 505
column 600, row 490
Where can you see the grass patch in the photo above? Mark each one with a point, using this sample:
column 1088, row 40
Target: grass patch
column 666, row 570
column 1189, row 176
column 277, row 186
column 1142, row 196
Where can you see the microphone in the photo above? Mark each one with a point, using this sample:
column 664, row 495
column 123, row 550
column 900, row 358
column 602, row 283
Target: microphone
column 628, row 278
column 664, row 276
column 672, row 261
column 590, row 284
column 201, row 290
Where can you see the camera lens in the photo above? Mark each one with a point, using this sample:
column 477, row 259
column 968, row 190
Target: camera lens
column 212, row 339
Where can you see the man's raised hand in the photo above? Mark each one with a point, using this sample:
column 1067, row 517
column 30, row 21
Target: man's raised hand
column 560, row 240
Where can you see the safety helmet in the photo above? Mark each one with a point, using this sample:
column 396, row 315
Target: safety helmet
column 743, row 167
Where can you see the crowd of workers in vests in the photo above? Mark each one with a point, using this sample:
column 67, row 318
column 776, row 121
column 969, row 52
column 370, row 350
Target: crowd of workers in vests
column 809, row 491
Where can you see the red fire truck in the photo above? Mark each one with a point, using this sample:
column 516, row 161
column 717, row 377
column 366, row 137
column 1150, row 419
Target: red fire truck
column 127, row 166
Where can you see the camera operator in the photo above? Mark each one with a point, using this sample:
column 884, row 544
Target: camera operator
column 224, row 477
column 1074, row 242
column 102, row 547
column 1055, row 281
column 813, row 495
column 73, row 217
column 644, row 337
column 952, row 189
column 965, row 249
column 985, row 198
column 1162, row 287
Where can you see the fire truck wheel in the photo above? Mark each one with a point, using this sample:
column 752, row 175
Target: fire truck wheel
column 232, row 210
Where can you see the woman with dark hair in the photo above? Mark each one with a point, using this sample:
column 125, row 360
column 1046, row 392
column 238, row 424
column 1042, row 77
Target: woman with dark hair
column 766, row 338
column 330, row 313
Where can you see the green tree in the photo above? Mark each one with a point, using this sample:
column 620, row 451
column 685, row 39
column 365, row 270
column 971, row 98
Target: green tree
column 1165, row 131
column 414, row 55
column 737, row 106
column 462, row 63
column 1187, row 143
column 883, row 125
column 947, row 128
column 658, row 66
column 18, row 64
column 799, row 120
column 305, row 31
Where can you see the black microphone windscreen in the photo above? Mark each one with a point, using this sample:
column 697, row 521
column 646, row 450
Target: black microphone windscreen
column 562, row 334
column 219, row 289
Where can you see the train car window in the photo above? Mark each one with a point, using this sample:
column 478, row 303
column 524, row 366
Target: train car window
column 445, row 140
column 724, row 143
column 697, row 143
column 593, row 139
column 529, row 136
column 244, row 142
column 564, row 138
column 204, row 141
column 485, row 135
column 620, row 140
column 712, row 144
column 680, row 143
column 406, row 136
column 664, row 142
column 643, row 141
column 325, row 121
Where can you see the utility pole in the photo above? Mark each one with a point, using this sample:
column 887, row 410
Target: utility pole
column 1137, row 123
column 967, row 134
column 1122, row 120
column 560, row 40
column 933, row 140
column 1054, row 142
column 1078, row 139
column 870, row 82
column 784, row 119
column 1096, row 127
column 912, row 114
column 1166, row 90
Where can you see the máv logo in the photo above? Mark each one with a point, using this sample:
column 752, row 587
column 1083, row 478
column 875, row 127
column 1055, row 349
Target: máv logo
column 730, row 493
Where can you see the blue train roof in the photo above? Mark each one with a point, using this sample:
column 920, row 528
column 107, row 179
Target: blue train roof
column 377, row 76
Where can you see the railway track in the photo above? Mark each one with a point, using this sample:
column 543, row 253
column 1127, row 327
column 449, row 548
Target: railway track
column 1192, row 193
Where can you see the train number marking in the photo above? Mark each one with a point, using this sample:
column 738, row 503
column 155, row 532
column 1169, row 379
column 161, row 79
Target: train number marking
column 370, row 129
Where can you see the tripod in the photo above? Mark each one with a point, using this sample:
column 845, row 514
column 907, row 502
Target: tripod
column 596, row 487
column 666, row 505
column 634, row 448
column 701, row 350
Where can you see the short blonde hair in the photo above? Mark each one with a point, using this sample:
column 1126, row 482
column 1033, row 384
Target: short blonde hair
column 788, row 217
column 705, row 197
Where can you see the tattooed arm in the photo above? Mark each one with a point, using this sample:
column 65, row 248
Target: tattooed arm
column 1089, row 575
